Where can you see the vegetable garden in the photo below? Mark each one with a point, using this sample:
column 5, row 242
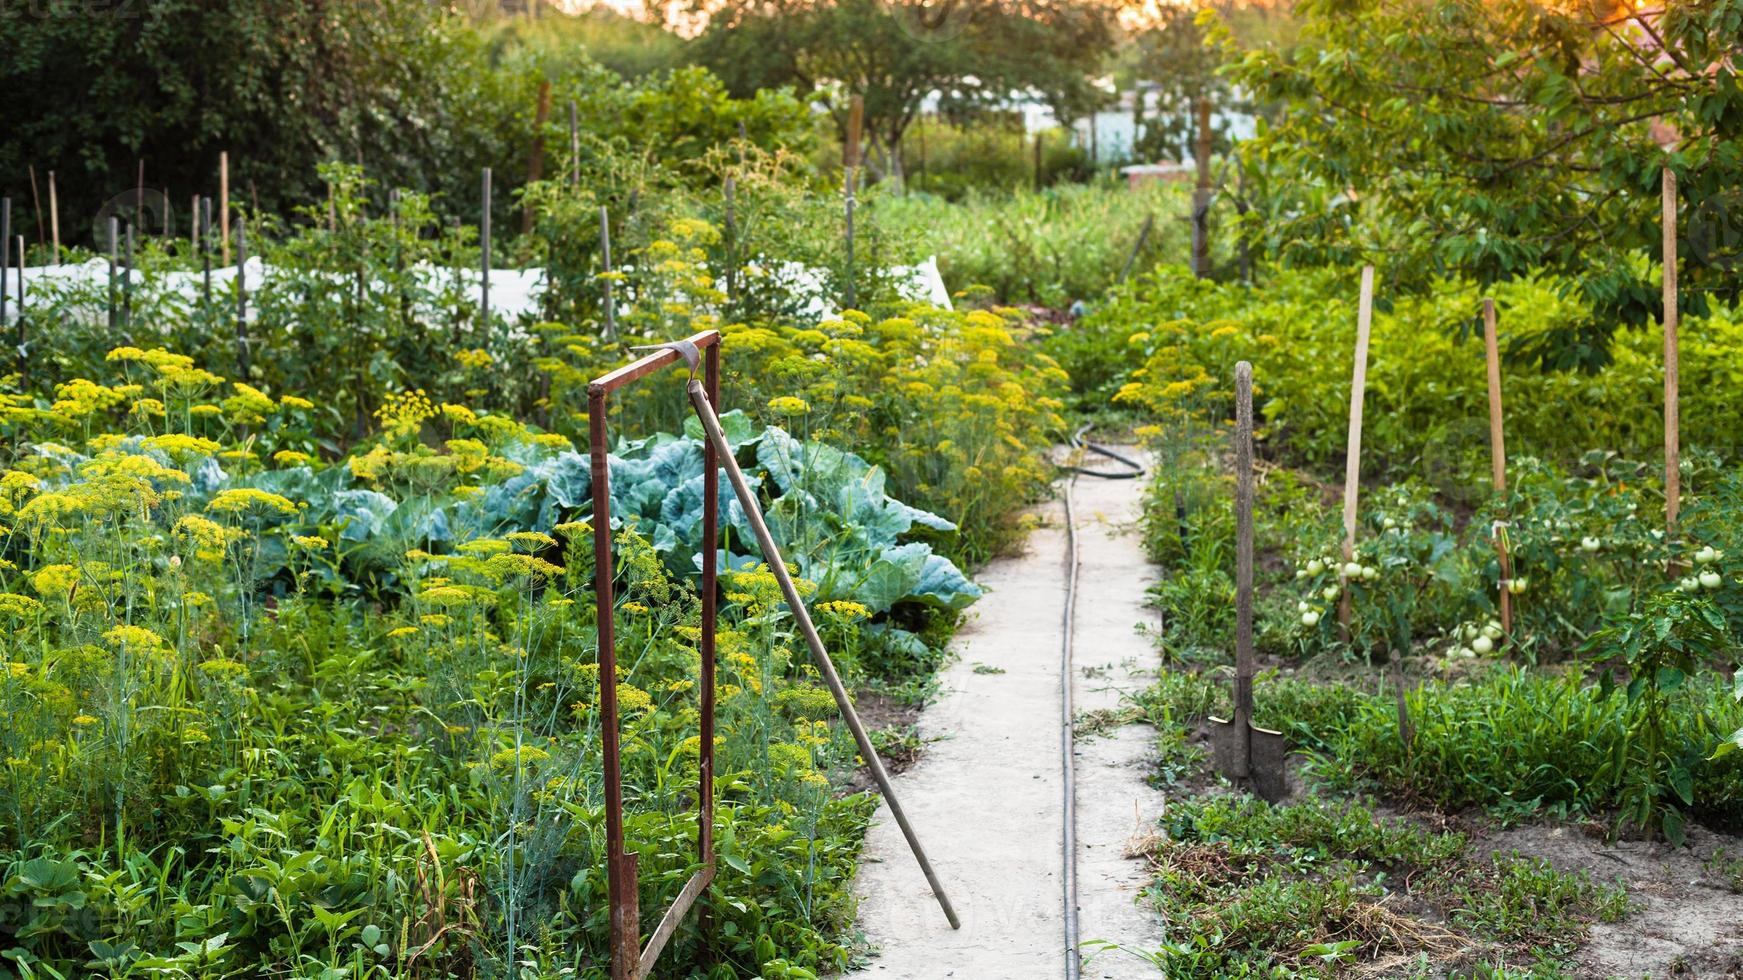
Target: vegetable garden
column 302, row 613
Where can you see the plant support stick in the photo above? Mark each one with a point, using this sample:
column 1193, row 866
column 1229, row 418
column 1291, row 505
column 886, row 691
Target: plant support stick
column 1498, row 460
column 802, row 617
column 1672, row 460
column 1353, row 456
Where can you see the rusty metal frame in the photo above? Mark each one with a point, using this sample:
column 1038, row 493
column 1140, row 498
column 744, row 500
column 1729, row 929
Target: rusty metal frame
column 630, row 960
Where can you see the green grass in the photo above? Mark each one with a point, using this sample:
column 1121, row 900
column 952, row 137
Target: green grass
column 1247, row 889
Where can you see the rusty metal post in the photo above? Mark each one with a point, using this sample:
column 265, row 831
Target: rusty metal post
column 620, row 874
column 710, row 610
column 630, row 960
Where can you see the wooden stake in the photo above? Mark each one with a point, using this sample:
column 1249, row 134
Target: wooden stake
column 1672, row 450
column 224, row 204
column 242, row 298
column 1498, row 457
column 54, row 220
column 484, row 259
column 605, row 261
column 36, row 202
column 1353, row 455
column 114, row 240
column 1201, row 192
column 730, row 193
column 855, row 119
column 5, row 251
column 1244, row 663
column 536, row 156
column 574, row 148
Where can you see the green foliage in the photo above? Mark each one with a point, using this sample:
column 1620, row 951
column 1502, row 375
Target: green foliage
column 1051, row 248
column 1249, row 890
column 1660, row 648
column 1426, row 403
column 1520, row 744
column 896, row 55
column 1496, row 139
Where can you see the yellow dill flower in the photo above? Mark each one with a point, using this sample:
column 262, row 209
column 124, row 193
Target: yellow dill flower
column 16, row 670
column 292, row 401
column 633, row 607
column 789, row 405
column 402, row 631
column 469, row 493
column 222, row 667
column 532, row 539
column 572, row 529
column 309, row 541
column 12, row 604
column 435, row 620
column 484, row 546
column 633, row 699
column 522, row 565
column 136, row 638
column 290, row 457
column 181, row 447
column 475, row 359
column 84, row 721
column 457, row 596
column 405, row 413
column 527, row 753
column 196, row 599
column 459, row 414
column 206, row 411
column 249, row 405
column 243, row 499
column 54, row 581
column 845, row 609
column 147, row 406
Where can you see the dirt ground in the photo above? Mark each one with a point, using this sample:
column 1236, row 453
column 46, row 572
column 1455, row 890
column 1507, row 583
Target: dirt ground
column 1687, row 915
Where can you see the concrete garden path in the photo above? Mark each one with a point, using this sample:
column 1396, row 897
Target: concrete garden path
column 986, row 798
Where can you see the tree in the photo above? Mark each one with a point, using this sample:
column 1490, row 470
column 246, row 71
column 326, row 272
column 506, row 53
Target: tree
column 1493, row 137
column 281, row 84
column 977, row 54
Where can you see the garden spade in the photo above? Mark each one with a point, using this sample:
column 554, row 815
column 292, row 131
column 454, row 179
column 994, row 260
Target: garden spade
column 1245, row 752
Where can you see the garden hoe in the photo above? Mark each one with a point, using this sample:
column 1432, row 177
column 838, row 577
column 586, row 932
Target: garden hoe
column 1245, row 752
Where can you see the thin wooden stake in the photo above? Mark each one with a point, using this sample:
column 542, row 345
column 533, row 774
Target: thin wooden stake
column 203, row 220
column 242, row 358
column 21, row 339
column 54, row 220
column 1353, row 455
column 114, row 246
column 1244, row 662
column 605, row 261
column 849, row 184
column 127, row 285
column 36, row 202
column 574, row 148
column 484, row 258
column 536, row 156
column 1672, row 449
column 5, row 251
column 730, row 193
column 1498, row 459
column 224, row 203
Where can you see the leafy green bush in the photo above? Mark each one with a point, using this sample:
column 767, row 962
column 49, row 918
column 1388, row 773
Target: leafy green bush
column 1426, row 404
column 1050, row 247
